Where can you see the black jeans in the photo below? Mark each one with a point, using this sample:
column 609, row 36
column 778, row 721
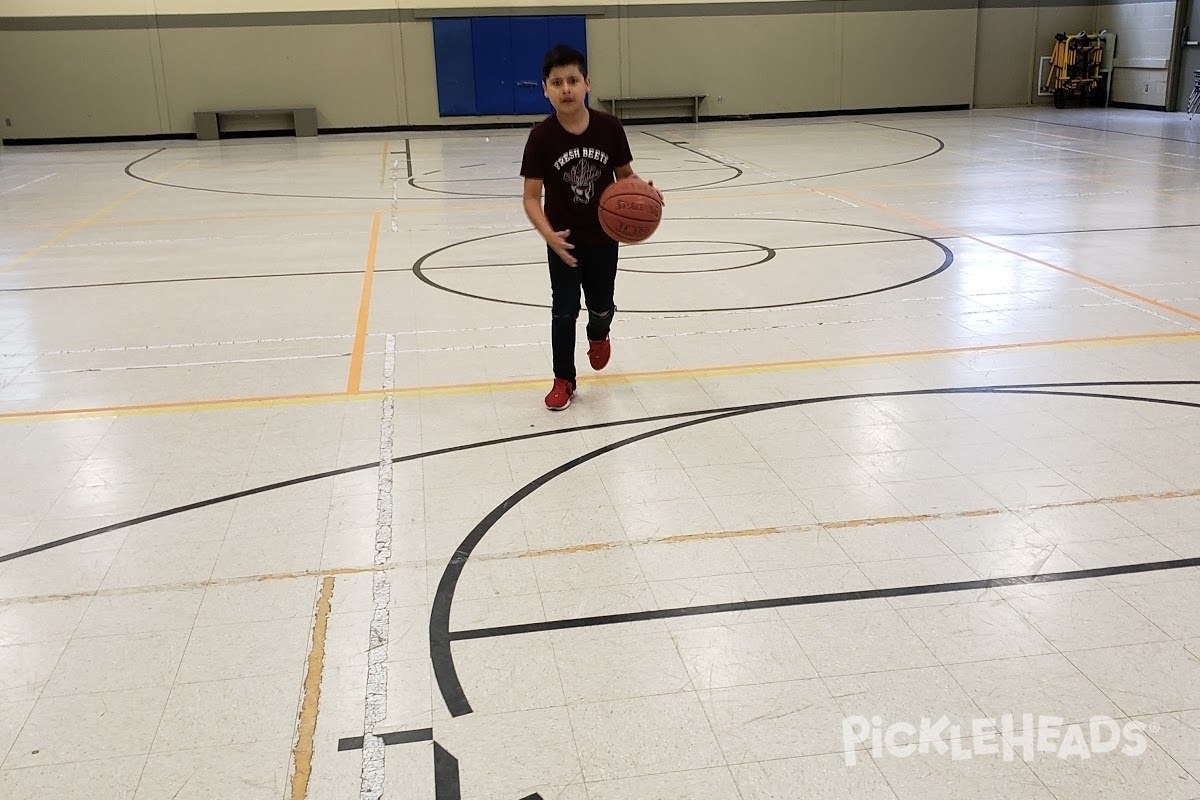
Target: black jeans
column 596, row 274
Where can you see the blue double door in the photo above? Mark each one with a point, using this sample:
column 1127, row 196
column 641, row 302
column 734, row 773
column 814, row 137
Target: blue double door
column 493, row 65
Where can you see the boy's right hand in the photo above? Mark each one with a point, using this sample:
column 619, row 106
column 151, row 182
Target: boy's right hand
column 561, row 247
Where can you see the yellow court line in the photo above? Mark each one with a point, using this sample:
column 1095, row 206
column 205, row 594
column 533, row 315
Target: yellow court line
column 1081, row 276
column 387, row 146
column 523, row 384
column 353, row 383
column 494, row 206
column 303, row 755
column 762, row 368
column 1034, row 165
column 587, row 547
column 121, row 223
column 86, row 221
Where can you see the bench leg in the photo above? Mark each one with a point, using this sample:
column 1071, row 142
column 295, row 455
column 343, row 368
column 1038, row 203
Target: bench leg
column 695, row 109
column 305, row 121
column 206, row 126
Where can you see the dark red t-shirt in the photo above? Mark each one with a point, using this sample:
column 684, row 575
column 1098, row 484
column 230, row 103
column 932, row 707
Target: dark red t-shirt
column 575, row 169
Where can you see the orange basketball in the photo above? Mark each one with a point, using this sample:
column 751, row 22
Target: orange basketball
column 630, row 210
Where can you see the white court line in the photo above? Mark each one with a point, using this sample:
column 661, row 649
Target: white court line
column 537, row 325
column 373, row 762
column 194, row 344
column 762, row 328
column 31, row 183
column 1129, row 303
column 1106, row 155
column 183, row 364
column 244, row 237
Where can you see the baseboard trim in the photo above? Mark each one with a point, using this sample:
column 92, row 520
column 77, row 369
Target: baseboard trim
column 479, row 126
column 142, row 137
column 1138, row 106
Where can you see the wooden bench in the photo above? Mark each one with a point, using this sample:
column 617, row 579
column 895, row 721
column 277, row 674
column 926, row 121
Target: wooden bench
column 304, row 120
column 672, row 101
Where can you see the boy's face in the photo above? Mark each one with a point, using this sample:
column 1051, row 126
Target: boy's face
column 566, row 87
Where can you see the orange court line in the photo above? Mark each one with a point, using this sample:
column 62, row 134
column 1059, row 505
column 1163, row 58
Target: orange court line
column 364, row 212
column 307, row 723
column 354, row 382
column 86, row 221
column 683, row 373
column 1088, row 278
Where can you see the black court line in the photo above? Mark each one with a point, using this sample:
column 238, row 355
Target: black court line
column 737, row 171
column 1056, row 388
column 481, row 195
column 419, row 270
column 129, row 170
column 317, row 476
column 746, row 248
column 441, row 638
column 949, row 238
column 941, row 145
column 518, row 177
column 445, row 775
column 408, row 145
column 394, row 737
column 741, row 248
column 130, row 166
column 193, row 279
column 447, row 781
column 817, row 599
column 1102, row 130
column 323, row 273
column 1074, row 231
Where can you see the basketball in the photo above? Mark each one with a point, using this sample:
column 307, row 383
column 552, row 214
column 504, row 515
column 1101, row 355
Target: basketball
column 629, row 210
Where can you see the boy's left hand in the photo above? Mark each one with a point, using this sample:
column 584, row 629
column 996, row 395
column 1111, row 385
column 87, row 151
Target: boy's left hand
column 662, row 201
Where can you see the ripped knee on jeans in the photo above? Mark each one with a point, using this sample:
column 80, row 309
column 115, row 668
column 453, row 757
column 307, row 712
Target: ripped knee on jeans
column 564, row 316
column 598, row 315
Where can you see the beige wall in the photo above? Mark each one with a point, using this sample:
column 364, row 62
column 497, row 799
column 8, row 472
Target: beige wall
column 67, row 83
column 346, row 71
column 1006, row 56
column 827, row 55
column 907, row 58
column 752, row 65
column 1144, row 32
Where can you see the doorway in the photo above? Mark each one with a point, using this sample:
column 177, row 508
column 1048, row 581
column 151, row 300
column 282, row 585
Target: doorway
column 1189, row 53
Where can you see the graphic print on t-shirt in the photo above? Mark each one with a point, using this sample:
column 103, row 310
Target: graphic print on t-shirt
column 574, row 169
column 582, row 178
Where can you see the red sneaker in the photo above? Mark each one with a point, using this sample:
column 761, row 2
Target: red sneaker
column 560, row 395
column 598, row 353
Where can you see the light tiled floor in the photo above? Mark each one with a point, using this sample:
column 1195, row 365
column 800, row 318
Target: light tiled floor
column 901, row 424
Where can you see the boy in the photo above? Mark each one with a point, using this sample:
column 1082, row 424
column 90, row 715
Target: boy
column 574, row 154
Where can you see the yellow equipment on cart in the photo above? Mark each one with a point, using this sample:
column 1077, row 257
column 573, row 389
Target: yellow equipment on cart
column 1075, row 68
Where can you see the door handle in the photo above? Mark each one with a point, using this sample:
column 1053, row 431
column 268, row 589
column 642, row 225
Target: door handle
column 531, row 84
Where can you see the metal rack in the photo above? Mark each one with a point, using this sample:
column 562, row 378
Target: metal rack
column 1079, row 66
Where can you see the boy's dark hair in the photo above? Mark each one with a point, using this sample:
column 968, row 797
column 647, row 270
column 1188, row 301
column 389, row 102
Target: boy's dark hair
column 563, row 56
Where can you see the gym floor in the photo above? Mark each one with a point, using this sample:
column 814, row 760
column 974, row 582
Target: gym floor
column 902, row 424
